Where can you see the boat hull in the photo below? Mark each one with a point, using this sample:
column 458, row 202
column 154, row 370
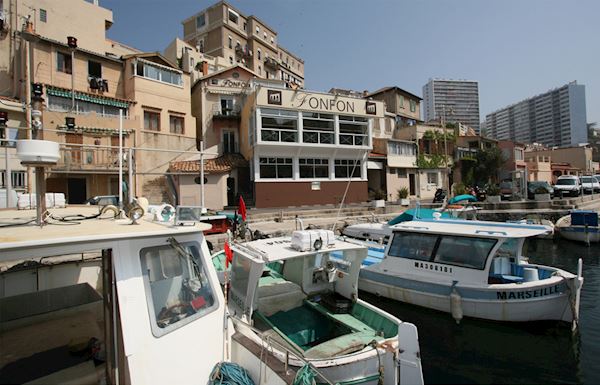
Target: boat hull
column 580, row 234
column 545, row 301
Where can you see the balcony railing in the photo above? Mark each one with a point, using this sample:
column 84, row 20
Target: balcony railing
column 272, row 63
column 83, row 157
column 226, row 112
column 243, row 52
column 353, row 139
column 310, row 136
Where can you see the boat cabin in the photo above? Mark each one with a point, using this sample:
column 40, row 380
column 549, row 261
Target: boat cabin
column 93, row 301
column 305, row 300
column 469, row 252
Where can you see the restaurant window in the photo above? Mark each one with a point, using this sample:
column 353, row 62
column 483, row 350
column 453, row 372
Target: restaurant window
column 353, row 130
column 63, row 62
column 279, row 125
column 464, row 251
column 314, row 168
column 275, row 168
column 317, row 128
column 345, row 168
column 151, row 120
column 176, row 124
column 178, row 289
column 412, row 246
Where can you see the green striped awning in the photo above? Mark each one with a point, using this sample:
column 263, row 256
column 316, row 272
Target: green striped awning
column 86, row 97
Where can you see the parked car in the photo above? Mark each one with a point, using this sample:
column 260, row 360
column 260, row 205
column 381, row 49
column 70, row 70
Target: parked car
column 532, row 187
column 568, row 185
column 590, row 184
column 103, row 200
column 506, row 189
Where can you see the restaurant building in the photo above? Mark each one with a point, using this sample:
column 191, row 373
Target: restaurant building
column 301, row 147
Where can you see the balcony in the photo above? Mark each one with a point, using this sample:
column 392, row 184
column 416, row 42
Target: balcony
column 243, row 52
column 78, row 157
column 271, row 63
column 221, row 112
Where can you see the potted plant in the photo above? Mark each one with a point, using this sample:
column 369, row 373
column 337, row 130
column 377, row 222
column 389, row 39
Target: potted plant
column 541, row 194
column 377, row 198
column 493, row 194
column 403, row 196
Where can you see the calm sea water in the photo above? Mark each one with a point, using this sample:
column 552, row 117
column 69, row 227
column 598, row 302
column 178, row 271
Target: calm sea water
column 492, row 352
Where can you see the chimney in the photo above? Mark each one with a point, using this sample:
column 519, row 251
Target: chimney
column 204, row 68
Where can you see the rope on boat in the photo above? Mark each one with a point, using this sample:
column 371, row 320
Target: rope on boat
column 228, row 373
column 305, row 376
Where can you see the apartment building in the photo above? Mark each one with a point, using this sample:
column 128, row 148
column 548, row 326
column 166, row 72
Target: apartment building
column 86, row 81
column 393, row 162
column 299, row 147
column 433, row 158
column 223, row 31
column 514, row 159
column 554, row 118
column 453, row 101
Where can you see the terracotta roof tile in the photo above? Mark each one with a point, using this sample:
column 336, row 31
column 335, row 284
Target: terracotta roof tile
column 224, row 163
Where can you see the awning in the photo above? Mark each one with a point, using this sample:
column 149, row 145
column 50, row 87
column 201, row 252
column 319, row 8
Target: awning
column 86, row 97
column 374, row 165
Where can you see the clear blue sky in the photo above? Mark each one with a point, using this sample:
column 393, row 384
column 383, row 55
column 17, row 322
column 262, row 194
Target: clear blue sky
column 514, row 48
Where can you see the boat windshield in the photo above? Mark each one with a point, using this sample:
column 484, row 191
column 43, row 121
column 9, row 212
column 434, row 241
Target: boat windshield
column 469, row 252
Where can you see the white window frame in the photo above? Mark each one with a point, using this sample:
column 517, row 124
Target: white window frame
column 237, row 15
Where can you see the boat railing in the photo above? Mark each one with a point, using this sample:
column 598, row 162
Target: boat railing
column 283, row 348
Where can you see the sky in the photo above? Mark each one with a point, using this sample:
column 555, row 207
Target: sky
column 515, row 49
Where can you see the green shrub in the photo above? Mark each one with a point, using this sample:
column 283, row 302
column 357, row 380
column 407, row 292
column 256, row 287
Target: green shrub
column 402, row 193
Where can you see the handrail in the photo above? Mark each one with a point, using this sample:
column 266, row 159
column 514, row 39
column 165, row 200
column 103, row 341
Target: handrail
column 284, row 348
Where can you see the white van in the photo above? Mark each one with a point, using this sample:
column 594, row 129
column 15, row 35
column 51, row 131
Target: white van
column 568, row 185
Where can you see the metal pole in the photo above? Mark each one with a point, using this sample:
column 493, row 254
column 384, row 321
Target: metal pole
column 8, row 178
column 120, row 158
column 202, row 174
column 40, row 196
column 72, row 80
column 130, row 169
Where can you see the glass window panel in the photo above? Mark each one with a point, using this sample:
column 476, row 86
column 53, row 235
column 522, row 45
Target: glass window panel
column 284, row 171
column 464, row 251
column 412, row 246
column 177, row 287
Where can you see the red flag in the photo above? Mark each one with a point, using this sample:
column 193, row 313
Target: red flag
column 242, row 209
column 228, row 255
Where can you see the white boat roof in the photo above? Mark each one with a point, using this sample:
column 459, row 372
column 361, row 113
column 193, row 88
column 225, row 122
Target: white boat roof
column 279, row 249
column 486, row 229
column 20, row 235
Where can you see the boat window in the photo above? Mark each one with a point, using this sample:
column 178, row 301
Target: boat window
column 413, row 246
column 177, row 287
column 464, row 251
column 508, row 248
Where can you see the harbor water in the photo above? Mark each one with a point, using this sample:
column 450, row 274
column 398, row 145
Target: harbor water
column 477, row 351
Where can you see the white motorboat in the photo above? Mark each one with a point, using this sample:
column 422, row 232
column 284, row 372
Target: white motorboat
column 296, row 297
column 96, row 300
column 580, row 226
column 473, row 269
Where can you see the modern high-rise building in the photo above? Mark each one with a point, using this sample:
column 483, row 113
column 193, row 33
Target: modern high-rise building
column 554, row 118
column 223, row 31
column 452, row 100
